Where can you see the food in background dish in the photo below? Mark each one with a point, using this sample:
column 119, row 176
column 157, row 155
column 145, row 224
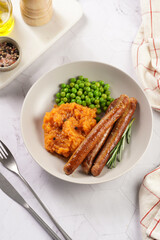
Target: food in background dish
column 95, row 94
column 9, row 54
column 66, row 126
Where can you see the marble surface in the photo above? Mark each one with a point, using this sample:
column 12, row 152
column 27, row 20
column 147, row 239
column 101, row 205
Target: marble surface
column 107, row 211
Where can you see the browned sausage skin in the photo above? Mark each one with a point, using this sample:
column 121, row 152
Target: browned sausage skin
column 88, row 161
column 96, row 134
column 114, row 137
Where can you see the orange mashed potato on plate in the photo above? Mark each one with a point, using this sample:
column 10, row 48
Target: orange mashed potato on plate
column 66, row 126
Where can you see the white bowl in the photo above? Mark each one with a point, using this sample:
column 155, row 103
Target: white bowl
column 39, row 100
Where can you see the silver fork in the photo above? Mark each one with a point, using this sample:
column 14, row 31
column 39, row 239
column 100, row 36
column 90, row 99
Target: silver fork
column 8, row 161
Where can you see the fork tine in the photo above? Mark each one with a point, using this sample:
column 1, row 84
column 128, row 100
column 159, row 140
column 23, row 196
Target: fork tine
column 5, row 148
column 3, row 153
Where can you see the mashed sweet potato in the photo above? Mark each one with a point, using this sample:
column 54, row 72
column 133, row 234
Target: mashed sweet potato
column 66, row 126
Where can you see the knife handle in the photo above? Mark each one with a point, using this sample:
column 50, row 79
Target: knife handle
column 42, row 223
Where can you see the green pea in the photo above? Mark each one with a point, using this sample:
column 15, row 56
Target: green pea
column 108, row 92
column 72, row 95
column 72, row 80
column 92, row 106
column 65, row 99
column 78, row 98
column 66, row 90
column 101, row 100
column 60, row 103
column 80, row 89
column 74, row 90
column 103, row 104
column 97, row 106
column 101, row 89
column 79, row 101
column 79, row 93
column 96, row 97
column 99, row 111
column 96, row 93
column 73, row 100
column 87, row 84
column 57, row 100
column 99, row 94
column 72, row 84
column 86, row 79
column 63, row 94
column 81, row 85
column 97, row 84
column 108, row 103
column 82, row 96
column 68, row 95
column 93, row 86
column 76, row 86
column 67, row 86
column 85, row 93
column 92, row 100
column 88, row 101
column 105, row 108
column 58, row 95
column 109, row 98
column 84, row 103
column 104, row 96
column 88, row 89
column 80, row 77
column 96, row 101
column 112, row 99
column 90, row 94
column 101, row 83
column 63, row 85
column 78, row 81
column 86, row 97
column 106, row 86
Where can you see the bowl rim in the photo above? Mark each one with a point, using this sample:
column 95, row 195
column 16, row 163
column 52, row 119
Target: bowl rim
column 14, row 42
column 80, row 180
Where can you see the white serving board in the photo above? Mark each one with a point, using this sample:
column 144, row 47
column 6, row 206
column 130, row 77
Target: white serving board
column 34, row 41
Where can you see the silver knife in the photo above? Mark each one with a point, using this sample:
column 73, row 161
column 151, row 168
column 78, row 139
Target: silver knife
column 8, row 189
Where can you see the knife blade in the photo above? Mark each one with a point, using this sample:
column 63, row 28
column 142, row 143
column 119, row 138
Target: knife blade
column 10, row 191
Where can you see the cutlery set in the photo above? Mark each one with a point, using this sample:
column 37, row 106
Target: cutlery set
column 8, row 161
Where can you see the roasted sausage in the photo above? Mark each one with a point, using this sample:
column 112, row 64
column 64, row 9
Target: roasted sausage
column 96, row 134
column 88, row 161
column 114, row 137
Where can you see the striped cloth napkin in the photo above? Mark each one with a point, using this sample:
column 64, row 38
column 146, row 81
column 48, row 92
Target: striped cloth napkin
column 146, row 51
column 149, row 203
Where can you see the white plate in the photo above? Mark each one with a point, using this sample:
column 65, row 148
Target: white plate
column 33, row 41
column 39, row 100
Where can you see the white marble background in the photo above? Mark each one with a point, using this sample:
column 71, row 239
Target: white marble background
column 107, row 211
